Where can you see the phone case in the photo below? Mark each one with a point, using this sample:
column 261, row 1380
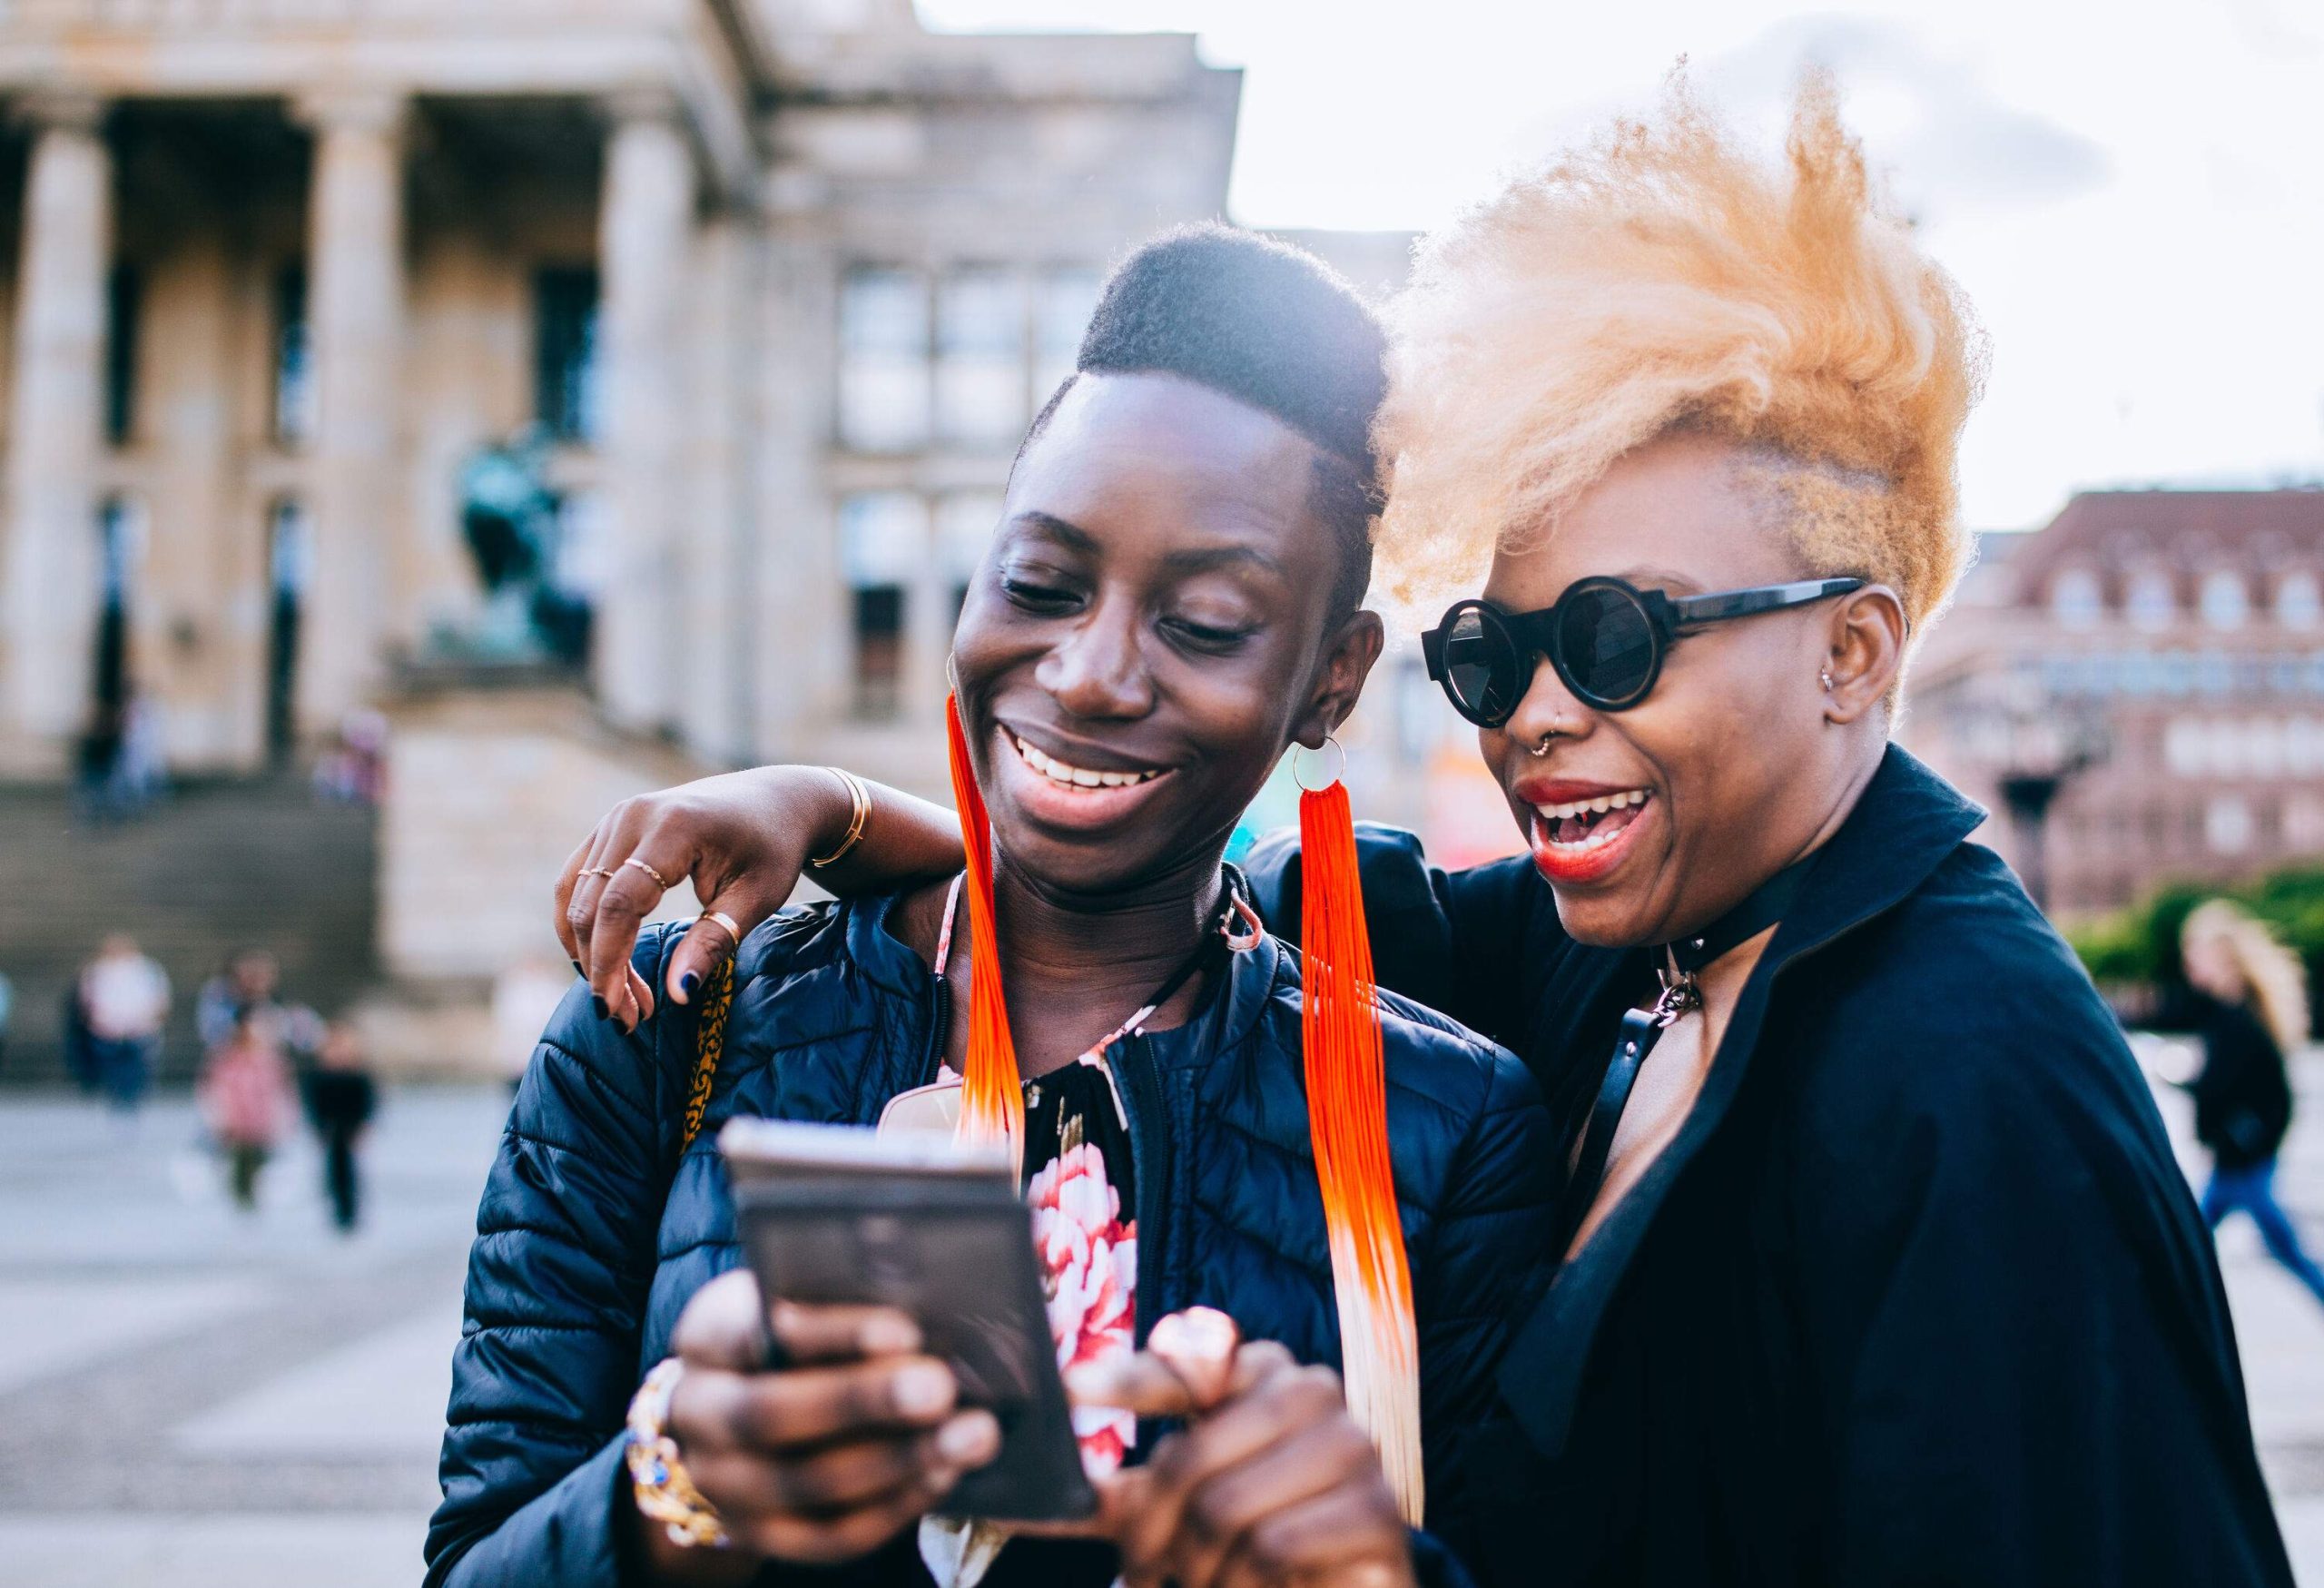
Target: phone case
column 956, row 1252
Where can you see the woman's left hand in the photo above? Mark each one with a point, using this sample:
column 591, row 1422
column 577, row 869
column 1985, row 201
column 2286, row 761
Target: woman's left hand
column 1270, row 1481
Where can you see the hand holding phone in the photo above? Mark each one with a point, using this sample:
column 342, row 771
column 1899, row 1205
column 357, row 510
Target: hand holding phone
column 828, row 1457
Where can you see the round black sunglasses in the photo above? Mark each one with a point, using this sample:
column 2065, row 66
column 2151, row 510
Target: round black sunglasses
column 1606, row 637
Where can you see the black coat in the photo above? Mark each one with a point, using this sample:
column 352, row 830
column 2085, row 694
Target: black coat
column 2242, row 1097
column 1917, row 1295
column 597, row 1228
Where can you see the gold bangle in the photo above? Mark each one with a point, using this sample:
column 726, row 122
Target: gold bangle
column 859, row 819
column 664, row 1490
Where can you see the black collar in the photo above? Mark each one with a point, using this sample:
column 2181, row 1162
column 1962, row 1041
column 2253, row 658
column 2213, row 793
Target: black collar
column 1763, row 907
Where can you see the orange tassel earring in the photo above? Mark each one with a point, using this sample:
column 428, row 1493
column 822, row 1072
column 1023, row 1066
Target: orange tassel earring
column 1347, row 1121
column 992, row 1106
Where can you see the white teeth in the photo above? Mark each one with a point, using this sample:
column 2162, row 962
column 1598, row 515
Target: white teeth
column 1057, row 770
column 1600, row 806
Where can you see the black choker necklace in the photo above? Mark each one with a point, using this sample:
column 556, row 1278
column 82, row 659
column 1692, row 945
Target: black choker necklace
column 1681, row 960
column 1677, row 964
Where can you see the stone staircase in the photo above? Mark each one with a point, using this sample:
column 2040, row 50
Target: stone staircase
column 219, row 865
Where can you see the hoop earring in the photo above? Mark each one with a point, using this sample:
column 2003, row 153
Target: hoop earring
column 1330, row 743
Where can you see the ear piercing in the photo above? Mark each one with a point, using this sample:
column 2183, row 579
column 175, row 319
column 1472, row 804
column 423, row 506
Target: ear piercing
column 1826, row 676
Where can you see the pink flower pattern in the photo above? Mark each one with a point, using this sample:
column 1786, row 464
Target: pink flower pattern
column 1089, row 1277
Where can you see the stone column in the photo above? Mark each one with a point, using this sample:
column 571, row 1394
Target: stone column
column 56, row 432
column 645, row 227
column 355, row 311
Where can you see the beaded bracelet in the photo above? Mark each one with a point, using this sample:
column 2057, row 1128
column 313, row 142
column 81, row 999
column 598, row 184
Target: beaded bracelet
column 666, row 1492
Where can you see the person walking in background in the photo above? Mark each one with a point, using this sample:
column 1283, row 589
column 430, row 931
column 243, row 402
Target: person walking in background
column 245, row 1097
column 125, row 1001
column 2253, row 1010
column 251, row 983
column 341, row 1100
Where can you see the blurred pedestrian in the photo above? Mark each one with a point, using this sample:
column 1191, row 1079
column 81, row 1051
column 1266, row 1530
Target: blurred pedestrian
column 245, row 1097
column 125, row 1001
column 341, row 1098
column 138, row 770
column 251, row 983
column 2252, row 1010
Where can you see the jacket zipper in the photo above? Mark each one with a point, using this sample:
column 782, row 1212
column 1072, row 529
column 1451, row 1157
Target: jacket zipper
column 1141, row 1100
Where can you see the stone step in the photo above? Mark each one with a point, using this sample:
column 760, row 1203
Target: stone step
column 217, row 866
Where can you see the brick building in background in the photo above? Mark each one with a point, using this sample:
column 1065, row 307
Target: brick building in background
column 2153, row 660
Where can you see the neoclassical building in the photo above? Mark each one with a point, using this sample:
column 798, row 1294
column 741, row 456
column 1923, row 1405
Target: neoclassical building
column 766, row 288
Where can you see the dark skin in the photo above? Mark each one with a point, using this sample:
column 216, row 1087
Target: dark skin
column 1157, row 575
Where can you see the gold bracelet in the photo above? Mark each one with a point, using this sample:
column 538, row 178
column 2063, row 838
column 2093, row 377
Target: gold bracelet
column 858, row 820
column 664, row 1489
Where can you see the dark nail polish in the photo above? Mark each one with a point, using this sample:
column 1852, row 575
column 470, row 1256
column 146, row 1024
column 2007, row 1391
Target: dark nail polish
column 605, row 1010
column 577, row 968
column 688, row 982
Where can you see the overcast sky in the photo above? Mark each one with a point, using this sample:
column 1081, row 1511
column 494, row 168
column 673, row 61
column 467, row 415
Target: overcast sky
column 2136, row 208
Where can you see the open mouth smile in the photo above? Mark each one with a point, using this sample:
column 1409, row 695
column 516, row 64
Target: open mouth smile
column 1580, row 840
column 1058, row 794
column 1069, row 776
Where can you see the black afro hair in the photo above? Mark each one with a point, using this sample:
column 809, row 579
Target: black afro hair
column 1268, row 325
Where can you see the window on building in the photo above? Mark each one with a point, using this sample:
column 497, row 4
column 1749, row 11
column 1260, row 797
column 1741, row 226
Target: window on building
column 289, row 544
column 2187, row 746
column 2076, row 599
column 565, row 352
column 964, row 525
column 2298, row 602
column 2225, row 599
column 1067, row 295
column 294, row 371
column 883, row 366
column 2228, row 825
column 2151, row 603
column 981, row 356
column 123, row 300
column 884, row 544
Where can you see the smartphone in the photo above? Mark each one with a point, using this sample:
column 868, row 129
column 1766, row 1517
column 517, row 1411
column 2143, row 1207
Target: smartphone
column 840, row 1214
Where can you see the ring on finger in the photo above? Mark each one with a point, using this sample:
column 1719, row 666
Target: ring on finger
column 726, row 920
column 596, row 871
column 659, row 880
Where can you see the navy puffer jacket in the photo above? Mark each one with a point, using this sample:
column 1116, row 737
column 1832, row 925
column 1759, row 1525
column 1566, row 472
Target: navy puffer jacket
column 595, row 1228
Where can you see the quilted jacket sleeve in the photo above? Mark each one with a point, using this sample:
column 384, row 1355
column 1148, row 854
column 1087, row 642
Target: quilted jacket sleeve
column 1490, row 1256
column 531, row 1465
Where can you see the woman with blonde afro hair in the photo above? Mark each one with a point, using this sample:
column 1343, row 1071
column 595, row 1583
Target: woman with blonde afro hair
column 1875, row 1267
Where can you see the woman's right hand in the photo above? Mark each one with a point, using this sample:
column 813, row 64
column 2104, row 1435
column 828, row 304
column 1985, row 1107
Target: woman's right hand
column 828, row 1457
column 744, row 838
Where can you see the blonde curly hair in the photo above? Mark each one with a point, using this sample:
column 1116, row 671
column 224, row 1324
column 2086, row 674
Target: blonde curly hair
column 1666, row 280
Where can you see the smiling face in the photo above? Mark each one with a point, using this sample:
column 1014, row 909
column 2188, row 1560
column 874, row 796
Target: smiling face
column 1148, row 631
column 1651, row 823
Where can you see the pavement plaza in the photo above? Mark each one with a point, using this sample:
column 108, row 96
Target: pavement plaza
column 199, row 1398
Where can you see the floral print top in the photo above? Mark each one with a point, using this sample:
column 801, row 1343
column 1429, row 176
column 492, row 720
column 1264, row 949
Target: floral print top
column 1076, row 1132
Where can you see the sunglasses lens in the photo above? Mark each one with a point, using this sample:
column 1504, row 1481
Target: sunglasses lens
column 1607, row 644
column 1481, row 672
